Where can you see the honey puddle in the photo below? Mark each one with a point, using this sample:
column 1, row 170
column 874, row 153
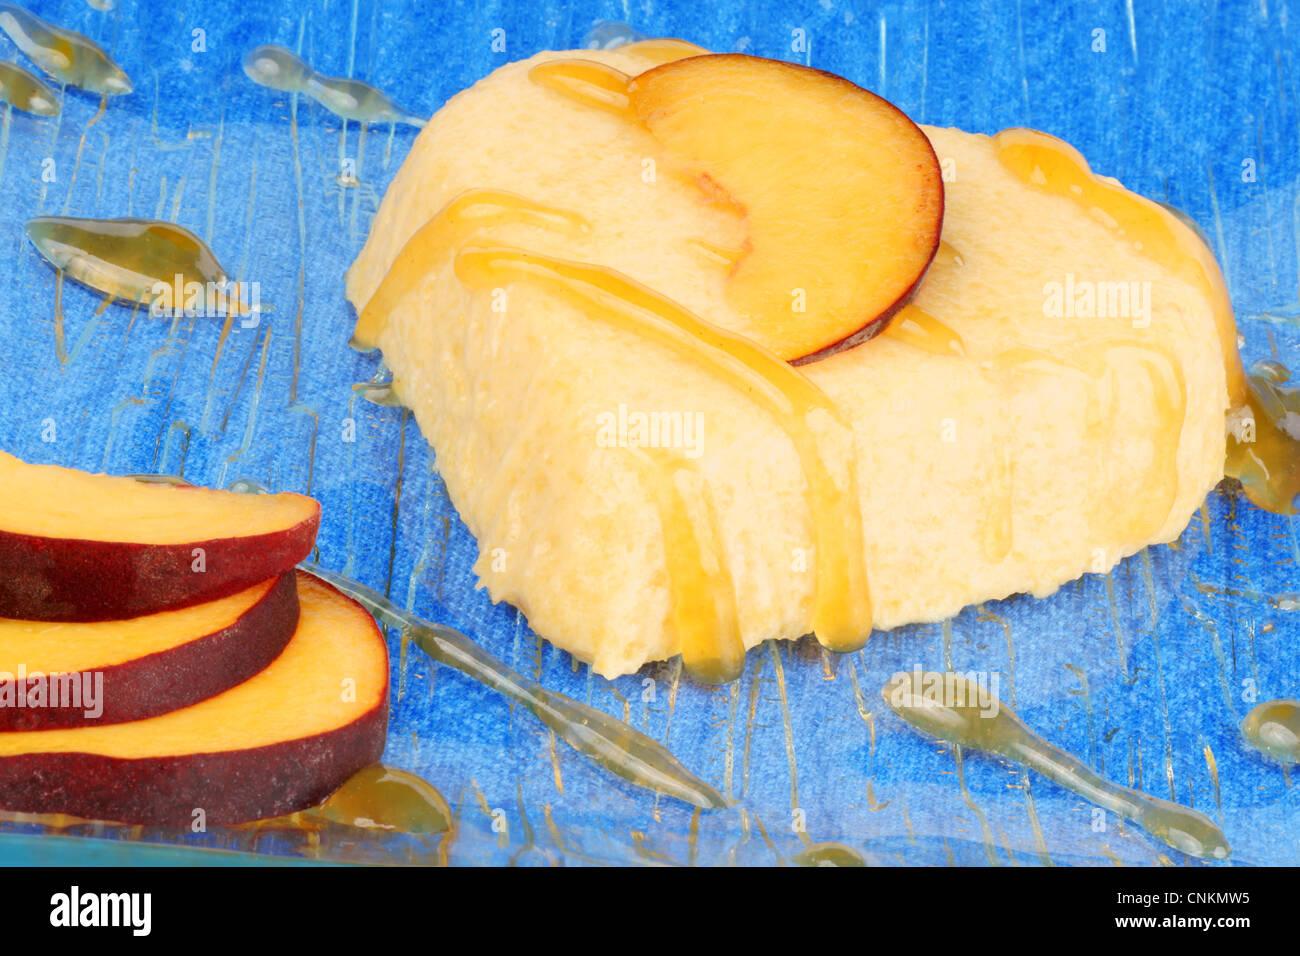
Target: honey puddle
column 381, row 814
column 1273, row 728
column 1264, row 440
column 279, row 69
column 69, row 57
column 147, row 261
column 829, row 854
column 25, row 91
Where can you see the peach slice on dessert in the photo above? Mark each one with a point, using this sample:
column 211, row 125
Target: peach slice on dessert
column 280, row 742
column 81, row 547
column 842, row 193
column 107, row 672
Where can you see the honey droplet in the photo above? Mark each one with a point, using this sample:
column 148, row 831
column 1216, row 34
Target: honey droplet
column 277, row 68
column 25, row 91
column 147, row 261
column 383, row 797
column 951, row 707
column 67, row 56
column 1273, row 728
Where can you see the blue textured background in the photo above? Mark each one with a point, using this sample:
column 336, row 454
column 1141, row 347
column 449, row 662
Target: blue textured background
column 1143, row 673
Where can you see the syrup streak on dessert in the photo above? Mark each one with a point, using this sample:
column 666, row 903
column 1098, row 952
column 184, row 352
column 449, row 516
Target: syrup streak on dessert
column 841, row 607
column 1150, row 502
column 592, row 83
column 596, row 735
column 703, row 611
column 915, row 327
column 588, row 82
column 455, row 222
column 1048, row 163
column 1264, row 425
column 951, row 708
column 1273, row 728
column 1090, row 364
column 27, row 92
column 279, row 69
column 923, row 331
column 716, row 254
column 68, row 57
column 660, row 50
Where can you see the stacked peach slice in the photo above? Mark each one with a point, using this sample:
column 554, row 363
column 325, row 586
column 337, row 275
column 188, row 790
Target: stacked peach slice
column 162, row 661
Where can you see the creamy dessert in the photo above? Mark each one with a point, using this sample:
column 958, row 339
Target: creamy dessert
column 667, row 322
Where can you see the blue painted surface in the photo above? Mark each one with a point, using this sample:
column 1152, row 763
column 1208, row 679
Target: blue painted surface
column 1145, row 674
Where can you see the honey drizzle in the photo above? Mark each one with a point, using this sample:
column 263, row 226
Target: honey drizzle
column 703, row 613
column 587, row 82
column 1092, row 363
column 1266, row 459
column 704, row 618
column 1055, row 166
column 842, row 608
column 947, row 255
column 923, row 331
column 455, row 222
column 596, row 84
column 600, row 86
column 716, row 254
column 917, row 328
column 662, row 50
